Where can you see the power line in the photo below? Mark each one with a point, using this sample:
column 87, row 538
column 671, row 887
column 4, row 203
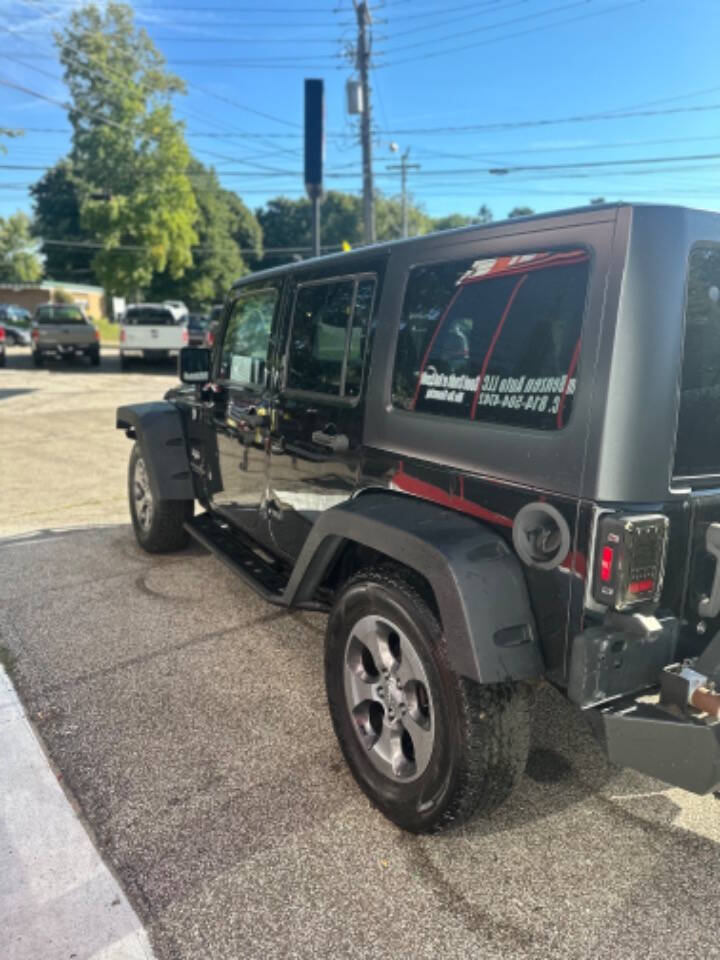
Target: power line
column 488, row 26
column 512, row 36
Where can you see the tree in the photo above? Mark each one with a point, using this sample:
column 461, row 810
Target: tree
column 18, row 262
column 57, row 218
column 129, row 155
column 388, row 218
column 453, row 220
column 521, row 212
column 286, row 223
column 244, row 227
column 217, row 261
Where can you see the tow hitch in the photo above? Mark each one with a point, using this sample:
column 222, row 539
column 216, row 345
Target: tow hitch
column 677, row 738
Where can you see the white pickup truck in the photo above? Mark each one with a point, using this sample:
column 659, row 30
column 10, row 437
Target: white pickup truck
column 152, row 331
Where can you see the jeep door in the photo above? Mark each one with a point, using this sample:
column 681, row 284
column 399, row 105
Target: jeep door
column 239, row 417
column 318, row 410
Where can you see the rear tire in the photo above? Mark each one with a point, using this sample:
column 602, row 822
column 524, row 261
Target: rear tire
column 3, row 359
column 388, row 679
column 37, row 358
column 94, row 358
column 124, row 361
column 158, row 524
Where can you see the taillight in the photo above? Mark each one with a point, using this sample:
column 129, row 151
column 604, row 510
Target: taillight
column 185, row 335
column 96, row 334
column 122, row 334
column 629, row 559
column 35, row 333
column 2, row 334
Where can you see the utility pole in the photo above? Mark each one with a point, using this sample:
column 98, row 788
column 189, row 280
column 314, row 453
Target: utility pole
column 403, row 167
column 362, row 12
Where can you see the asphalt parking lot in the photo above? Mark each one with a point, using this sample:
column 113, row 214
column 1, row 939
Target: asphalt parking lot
column 188, row 720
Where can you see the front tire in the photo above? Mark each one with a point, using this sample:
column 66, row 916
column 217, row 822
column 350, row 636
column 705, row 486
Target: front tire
column 158, row 524
column 431, row 749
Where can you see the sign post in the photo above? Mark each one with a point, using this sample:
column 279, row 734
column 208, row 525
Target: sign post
column 314, row 150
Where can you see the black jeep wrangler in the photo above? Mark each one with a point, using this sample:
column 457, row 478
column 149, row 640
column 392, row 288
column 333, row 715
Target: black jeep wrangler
column 492, row 456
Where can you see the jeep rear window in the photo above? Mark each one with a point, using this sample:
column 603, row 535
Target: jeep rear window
column 495, row 340
column 59, row 315
column 697, row 450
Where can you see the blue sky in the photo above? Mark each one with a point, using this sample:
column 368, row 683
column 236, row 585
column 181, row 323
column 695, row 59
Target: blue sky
column 468, row 86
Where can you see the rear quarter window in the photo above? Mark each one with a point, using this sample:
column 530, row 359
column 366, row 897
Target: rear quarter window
column 494, row 340
column 697, row 450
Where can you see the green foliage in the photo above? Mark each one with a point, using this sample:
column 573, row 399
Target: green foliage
column 57, row 217
column 452, row 220
column 216, row 259
column 520, row 212
column 62, row 296
column 129, row 155
column 388, row 218
column 18, row 262
column 245, row 228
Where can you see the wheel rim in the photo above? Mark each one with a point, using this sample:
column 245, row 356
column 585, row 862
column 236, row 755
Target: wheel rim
column 142, row 495
column 388, row 696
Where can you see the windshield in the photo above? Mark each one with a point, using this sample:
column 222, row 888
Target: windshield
column 59, row 314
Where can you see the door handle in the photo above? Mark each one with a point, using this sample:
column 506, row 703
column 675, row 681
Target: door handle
column 710, row 606
column 337, row 442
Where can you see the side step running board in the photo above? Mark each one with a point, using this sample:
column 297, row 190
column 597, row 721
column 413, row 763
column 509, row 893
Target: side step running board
column 248, row 561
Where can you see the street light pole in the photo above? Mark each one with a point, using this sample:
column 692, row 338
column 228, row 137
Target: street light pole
column 403, row 167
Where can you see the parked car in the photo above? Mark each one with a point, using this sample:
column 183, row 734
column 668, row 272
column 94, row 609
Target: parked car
column 492, row 457
column 196, row 326
column 213, row 325
column 3, row 338
column 63, row 330
column 16, row 321
column 152, row 331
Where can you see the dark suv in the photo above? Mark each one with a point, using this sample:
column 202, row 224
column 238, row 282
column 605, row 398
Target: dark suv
column 492, row 455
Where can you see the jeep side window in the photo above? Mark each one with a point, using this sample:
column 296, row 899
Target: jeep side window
column 698, row 435
column 494, row 340
column 327, row 340
column 247, row 337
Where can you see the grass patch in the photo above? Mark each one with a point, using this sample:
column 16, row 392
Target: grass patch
column 109, row 332
column 7, row 660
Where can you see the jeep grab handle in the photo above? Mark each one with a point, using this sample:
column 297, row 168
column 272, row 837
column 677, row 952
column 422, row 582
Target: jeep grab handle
column 710, row 606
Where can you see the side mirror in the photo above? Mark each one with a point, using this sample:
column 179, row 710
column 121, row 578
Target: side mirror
column 194, row 365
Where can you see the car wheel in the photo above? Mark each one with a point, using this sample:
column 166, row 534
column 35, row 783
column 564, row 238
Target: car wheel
column 3, row 359
column 124, row 361
column 37, row 358
column 94, row 358
column 429, row 748
column 158, row 524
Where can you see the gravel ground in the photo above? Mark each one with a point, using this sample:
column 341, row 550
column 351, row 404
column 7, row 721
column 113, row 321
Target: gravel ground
column 188, row 719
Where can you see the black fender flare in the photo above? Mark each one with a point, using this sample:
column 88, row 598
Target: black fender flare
column 158, row 428
column 478, row 582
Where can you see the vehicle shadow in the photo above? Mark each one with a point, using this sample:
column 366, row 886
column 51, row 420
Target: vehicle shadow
column 20, row 358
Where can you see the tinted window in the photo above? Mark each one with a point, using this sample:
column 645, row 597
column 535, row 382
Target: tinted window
column 494, row 340
column 247, row 336
column 698, row 436
column 149, row 317
column 327, row 341
column 59, row 314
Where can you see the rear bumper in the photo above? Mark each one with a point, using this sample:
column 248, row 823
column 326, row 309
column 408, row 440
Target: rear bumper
column 67, row 349
column 647, row 711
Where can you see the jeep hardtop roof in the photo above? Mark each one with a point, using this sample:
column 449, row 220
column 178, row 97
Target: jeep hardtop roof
column 596, row 213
